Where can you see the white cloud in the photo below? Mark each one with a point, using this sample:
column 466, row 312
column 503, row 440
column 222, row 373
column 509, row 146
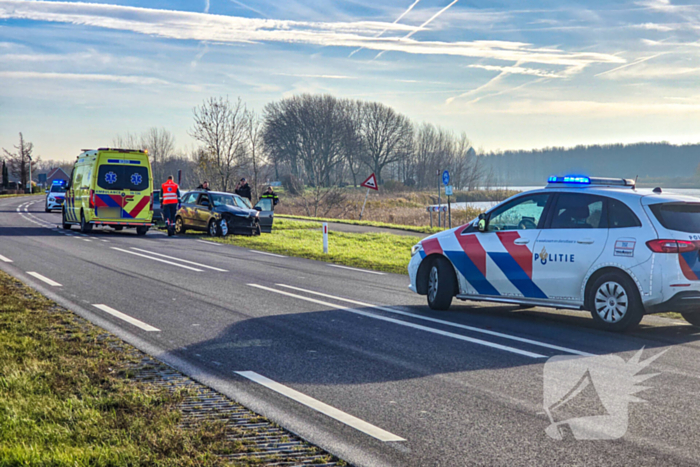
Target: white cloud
column 124, row 79
column 229, row 29
column 315, row 76
column 595, row 108
column 654, row 27
column 517, row 70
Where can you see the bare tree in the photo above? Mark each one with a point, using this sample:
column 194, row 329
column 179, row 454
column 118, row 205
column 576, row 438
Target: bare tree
column 386, row 136
column 352, row 138
column 221, row 127
column 256, row 150
column 160, row 144
column 20, row 160
column 128, row 141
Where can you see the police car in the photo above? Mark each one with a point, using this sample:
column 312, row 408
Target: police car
column 55, row 195
column 579, row 243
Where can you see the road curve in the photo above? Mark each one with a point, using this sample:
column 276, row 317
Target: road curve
column 354, row 362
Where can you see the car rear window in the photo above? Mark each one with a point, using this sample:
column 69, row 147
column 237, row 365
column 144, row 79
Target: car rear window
column 684, row 217
column 122, row 177
column 58, row 189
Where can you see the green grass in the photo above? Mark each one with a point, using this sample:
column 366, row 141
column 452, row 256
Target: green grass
column 410, row 228
column 64, row 400
column 379, row 252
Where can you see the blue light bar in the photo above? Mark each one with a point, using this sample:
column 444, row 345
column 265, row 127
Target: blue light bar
column 576, row 179
column 59, row 182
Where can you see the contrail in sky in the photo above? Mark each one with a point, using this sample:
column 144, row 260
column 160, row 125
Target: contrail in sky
column 430, row 20
column 395, row 21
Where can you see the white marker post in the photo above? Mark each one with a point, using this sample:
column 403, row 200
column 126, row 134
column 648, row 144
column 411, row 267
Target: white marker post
column 325, row 237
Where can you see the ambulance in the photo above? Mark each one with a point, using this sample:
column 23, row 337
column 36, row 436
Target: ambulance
column 110, row 188
column 582, row 243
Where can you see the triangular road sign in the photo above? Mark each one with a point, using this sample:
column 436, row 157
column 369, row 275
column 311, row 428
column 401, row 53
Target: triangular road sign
column 371, row 183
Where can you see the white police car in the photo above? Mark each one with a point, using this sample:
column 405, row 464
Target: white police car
column 580, row 243
column 55, row 195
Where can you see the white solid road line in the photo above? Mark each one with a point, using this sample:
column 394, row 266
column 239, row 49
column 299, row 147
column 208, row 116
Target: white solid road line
column 343, row 417
column 157, row 259
column 441, row 321
column 356, row 269
column 4, row 259
column 209, row 243
column 127, row 318
column 268, row 254
column 407, row 324
column 179, row 259
column 45, row 279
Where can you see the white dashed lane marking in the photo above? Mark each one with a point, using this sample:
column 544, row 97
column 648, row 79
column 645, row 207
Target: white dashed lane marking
column 44, row 279
column 127, row 318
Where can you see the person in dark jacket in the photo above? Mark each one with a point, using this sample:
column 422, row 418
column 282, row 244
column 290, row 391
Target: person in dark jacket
column 269, row 194
column 204, row 186
column 243, row 190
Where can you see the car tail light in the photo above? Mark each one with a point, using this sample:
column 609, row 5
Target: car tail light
column 151, row 204
column 671, row 246
column 92, row 199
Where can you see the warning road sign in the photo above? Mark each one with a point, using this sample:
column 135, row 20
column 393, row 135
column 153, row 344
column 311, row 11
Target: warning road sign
column 371, row 183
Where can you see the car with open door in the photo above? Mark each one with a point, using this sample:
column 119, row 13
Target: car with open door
column 217, row 213
column 266, row 208
column 580, row 243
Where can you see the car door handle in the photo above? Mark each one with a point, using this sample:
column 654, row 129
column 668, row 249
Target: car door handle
column 586, row 241
column 521, row 241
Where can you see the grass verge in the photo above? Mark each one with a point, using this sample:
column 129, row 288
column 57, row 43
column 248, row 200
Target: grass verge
column 410, row 228
column 379, row 252
column 65, row 399
column 18, row 195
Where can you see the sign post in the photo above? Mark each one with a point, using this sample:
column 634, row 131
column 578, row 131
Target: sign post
column 448, row 192
column 445, row 181
column 370, row 184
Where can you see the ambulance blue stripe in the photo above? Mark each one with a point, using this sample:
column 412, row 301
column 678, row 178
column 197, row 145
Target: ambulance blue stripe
column 471, row 273
column 108, row 201
column 516, row 275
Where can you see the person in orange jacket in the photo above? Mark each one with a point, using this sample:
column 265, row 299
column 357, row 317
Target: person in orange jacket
column 170, row 197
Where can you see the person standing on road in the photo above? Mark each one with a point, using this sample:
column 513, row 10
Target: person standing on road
column 204, row 186
column 170, row 199
column 243, row 190
column 269, row 194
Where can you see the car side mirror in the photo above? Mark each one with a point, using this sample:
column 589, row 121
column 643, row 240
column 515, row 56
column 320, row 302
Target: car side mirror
column 257, row 208
column 46, row 191
column 481, row 226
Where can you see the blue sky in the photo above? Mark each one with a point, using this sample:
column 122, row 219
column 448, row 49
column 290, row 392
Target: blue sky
column 511, row 74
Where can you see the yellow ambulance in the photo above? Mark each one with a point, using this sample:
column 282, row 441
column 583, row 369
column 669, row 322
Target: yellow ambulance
column 110, row 187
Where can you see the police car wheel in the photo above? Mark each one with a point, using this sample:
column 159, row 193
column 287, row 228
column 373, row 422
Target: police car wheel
column 180, row 228
column 213, row 229
column 692, row 318
column 441, row 284
column 46, row 208
column 614, row 302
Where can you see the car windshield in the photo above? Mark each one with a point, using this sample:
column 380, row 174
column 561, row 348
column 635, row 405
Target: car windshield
column 243, row 202
column 222, row 200
column 58, row 189
column 683, row 217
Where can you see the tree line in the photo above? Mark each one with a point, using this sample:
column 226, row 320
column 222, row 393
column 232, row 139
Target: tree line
column 648, row 161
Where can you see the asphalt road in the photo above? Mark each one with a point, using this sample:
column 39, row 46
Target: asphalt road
column 354, row 362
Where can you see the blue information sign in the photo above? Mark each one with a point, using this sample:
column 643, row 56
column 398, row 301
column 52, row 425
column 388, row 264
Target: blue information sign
column 446, row 177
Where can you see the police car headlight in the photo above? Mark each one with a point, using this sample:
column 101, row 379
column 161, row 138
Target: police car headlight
column 52, row 199
column 416, row 249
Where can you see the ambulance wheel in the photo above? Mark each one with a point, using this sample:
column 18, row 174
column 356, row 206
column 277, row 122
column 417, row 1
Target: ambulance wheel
column 213, row 228
column 66, row 226
column 180, row 228
column 692, row 318
column 441, row 284
column 84, row 226
column 614, row 302
column 141, row 230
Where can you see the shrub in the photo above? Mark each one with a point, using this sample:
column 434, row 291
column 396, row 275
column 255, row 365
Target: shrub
column 393, row 186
